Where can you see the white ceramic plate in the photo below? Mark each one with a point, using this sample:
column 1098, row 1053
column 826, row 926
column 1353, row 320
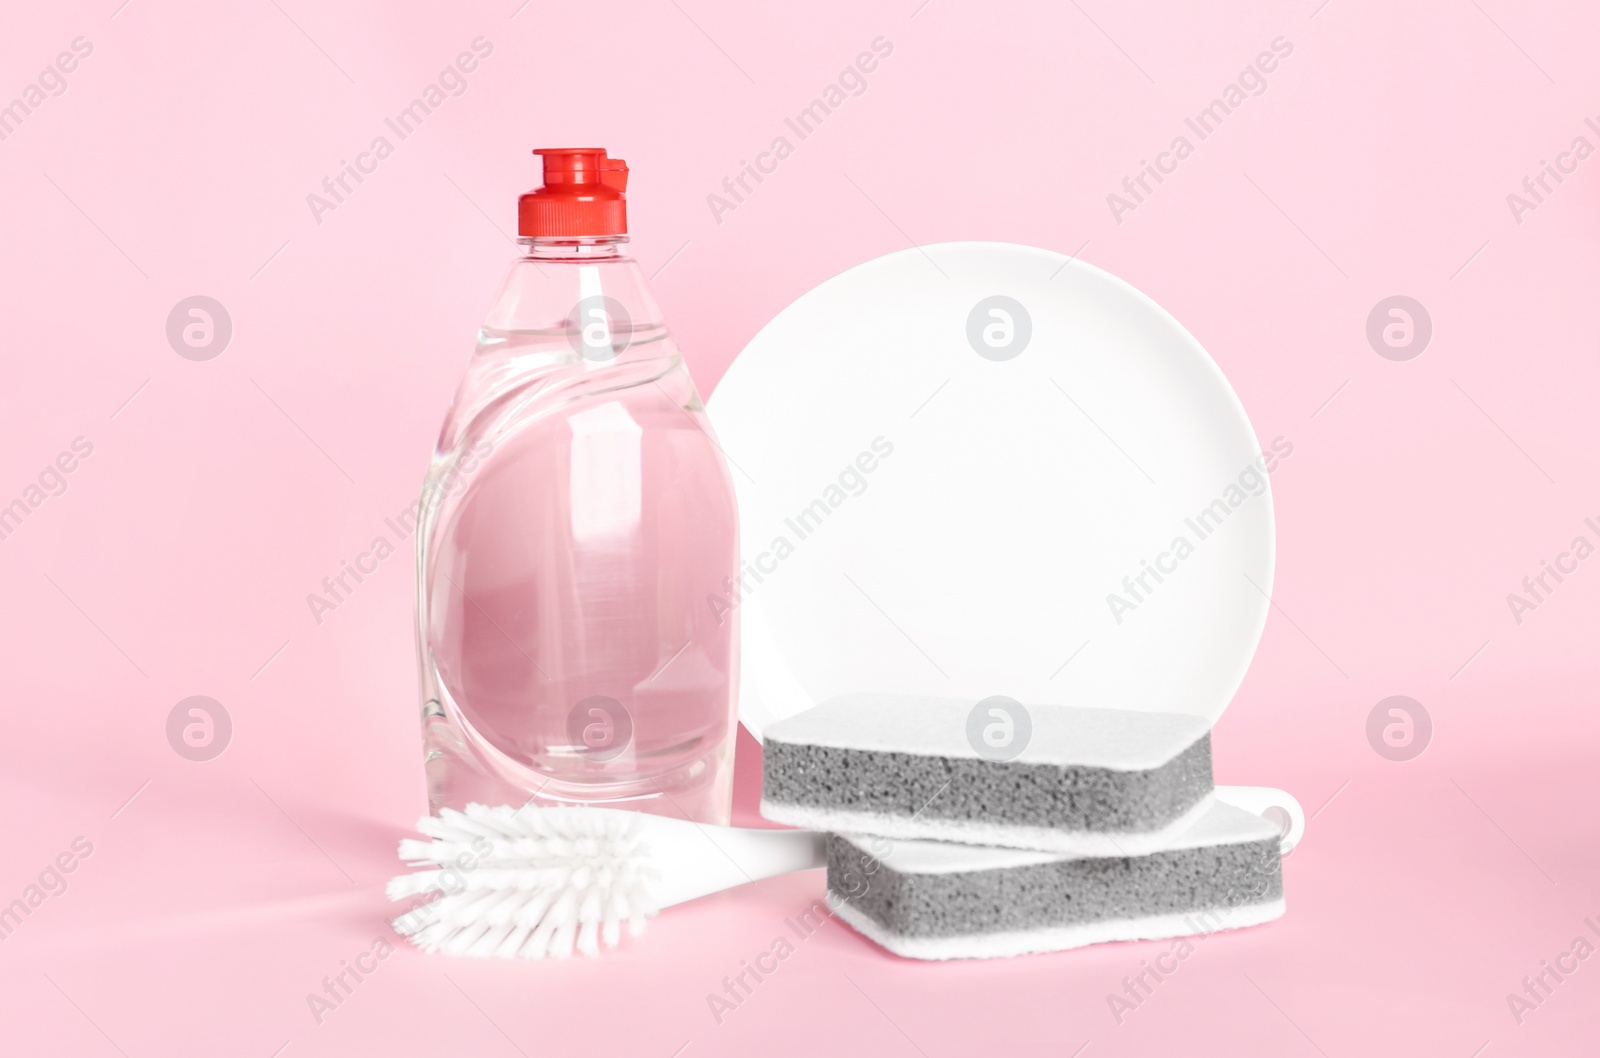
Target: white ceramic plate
column 988, row 439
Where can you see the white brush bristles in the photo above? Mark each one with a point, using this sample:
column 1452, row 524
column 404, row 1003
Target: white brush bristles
column 526, row 883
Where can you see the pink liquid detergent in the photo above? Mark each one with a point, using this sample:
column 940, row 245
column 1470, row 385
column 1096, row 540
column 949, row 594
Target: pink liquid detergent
column 578, row 525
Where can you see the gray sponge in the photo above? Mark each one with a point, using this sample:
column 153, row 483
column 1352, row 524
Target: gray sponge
column 1096, row 782
column 932, row 900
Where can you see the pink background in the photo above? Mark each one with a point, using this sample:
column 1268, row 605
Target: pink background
column 1377, row 162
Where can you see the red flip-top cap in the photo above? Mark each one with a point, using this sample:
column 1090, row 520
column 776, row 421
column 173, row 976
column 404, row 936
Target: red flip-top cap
column 582, row 196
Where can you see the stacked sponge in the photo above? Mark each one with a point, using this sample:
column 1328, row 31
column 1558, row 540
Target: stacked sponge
column 1100, row 826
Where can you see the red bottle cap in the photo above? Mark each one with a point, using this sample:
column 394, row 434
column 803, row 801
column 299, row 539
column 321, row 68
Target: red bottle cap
column 582, row 196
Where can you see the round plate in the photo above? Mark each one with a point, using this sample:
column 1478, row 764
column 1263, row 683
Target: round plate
column 979, row 469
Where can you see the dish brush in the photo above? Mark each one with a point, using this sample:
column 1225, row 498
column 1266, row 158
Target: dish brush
column 538, row 882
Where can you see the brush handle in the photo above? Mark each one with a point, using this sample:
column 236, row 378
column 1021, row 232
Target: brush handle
column 696, row 859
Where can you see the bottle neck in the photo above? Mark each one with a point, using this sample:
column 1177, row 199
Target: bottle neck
column 555, row 281
column 591, row 248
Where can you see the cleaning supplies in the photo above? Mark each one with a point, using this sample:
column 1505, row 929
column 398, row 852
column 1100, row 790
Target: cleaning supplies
column 577, row 514
column 535, row 882
column 935, row 900
column 1076, row 826
column 1095, row 782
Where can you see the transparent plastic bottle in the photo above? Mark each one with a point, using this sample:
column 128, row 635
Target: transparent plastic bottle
column 578, row 525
